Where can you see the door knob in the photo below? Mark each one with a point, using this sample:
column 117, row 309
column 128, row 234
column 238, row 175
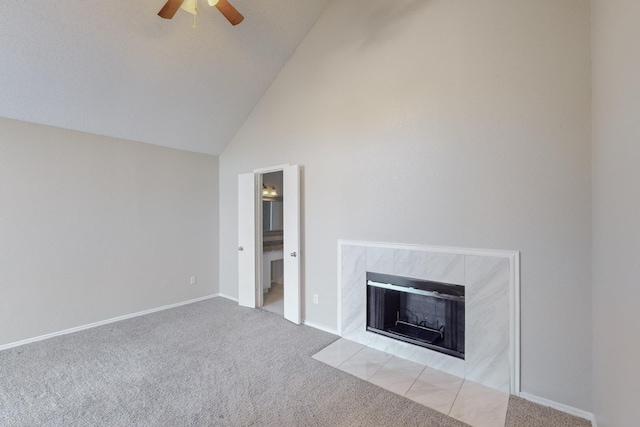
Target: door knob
column 240, row 248
column 293, row 254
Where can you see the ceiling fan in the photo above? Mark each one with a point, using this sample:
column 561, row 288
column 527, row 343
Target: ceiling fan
column 171, row 7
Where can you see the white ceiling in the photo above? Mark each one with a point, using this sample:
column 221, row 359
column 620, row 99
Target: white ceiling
column 115, row 68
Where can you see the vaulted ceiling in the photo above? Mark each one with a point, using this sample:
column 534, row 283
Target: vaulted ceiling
column 115, row 68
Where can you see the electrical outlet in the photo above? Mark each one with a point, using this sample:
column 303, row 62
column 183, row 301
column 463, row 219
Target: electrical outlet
column 193, row 280
column 315, row 298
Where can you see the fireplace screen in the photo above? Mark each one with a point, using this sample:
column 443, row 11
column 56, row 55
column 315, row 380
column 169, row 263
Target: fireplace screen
column 420, row 312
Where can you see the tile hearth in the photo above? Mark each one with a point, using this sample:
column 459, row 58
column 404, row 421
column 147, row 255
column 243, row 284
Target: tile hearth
column 464, row 400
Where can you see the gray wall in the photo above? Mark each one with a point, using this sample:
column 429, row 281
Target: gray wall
column 616, row 211
column 452, row 123
column 94, row 227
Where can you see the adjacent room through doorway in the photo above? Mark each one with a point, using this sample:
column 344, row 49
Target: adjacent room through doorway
column 272, row 242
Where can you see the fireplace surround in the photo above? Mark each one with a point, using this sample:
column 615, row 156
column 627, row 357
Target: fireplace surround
column 491, row 288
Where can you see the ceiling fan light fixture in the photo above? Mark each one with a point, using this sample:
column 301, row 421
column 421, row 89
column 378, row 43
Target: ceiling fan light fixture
column 228, row 11
column 190, row 6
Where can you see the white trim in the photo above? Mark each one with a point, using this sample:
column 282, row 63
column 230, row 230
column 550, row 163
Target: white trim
column 515, row 324
column 320, row 327
column 271, row 169
column 102, row 322
column 229, row 297
column 258, row 250
column 339, row 281
column 560, row 407
column 439, row 249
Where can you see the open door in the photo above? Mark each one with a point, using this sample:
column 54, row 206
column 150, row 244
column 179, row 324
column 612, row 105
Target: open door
column 291, row 222
column 248, row 227
column 247, row 255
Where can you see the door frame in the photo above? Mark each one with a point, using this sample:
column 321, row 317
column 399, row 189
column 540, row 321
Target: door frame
column 291, row 242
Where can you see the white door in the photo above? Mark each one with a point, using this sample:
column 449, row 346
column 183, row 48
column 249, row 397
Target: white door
column 291, row 222
column 247, row 255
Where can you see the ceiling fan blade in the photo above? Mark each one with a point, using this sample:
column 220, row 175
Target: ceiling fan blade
column 229, row 12
column 170, row 8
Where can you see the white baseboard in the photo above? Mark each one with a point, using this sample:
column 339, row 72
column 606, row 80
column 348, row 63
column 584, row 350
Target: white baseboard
column 304, row 322
column 560, row 407
column 227, row 297
column 102, row 322
column 322, row 328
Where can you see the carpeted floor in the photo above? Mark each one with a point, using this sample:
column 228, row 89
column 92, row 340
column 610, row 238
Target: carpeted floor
column 210, row 363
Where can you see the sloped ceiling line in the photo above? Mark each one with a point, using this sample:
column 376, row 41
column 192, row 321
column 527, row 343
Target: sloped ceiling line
column 117, row 69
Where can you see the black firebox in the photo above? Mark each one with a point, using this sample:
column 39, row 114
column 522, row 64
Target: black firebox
column 425, row 313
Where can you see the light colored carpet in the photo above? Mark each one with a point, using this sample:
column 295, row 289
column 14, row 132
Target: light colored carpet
column 210, row 363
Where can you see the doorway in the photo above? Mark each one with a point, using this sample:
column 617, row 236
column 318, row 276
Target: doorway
column 252, row 238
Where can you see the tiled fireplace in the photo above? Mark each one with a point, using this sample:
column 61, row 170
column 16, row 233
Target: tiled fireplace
column 488, row 281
